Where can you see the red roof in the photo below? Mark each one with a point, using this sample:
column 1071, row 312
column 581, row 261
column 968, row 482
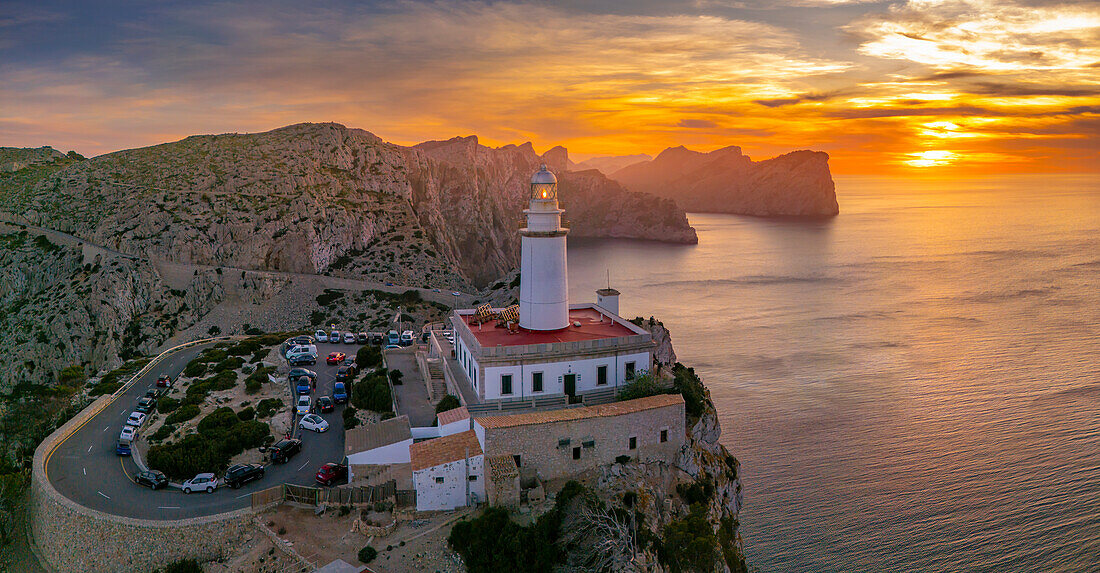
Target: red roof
column 591, row 328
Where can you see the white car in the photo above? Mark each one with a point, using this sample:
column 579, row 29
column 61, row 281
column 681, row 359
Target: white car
column 313, row 422
column 127, row 434
column 349, row 338
column 136, row 419
column 303, row 405
column 201, row 482
column 321, row 336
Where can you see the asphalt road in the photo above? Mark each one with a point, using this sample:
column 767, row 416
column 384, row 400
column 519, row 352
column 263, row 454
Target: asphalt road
column 86, row 469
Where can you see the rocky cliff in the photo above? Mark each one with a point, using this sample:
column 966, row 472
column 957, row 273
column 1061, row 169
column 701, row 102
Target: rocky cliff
column 322, row 198
column 610, row 164
column 727, row 181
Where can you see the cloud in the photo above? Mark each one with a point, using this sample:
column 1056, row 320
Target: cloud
column 696, row 123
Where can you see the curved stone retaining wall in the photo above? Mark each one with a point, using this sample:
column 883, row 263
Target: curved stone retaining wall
column 71, row 537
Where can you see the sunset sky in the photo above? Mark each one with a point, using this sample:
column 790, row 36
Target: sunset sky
column 898, row 87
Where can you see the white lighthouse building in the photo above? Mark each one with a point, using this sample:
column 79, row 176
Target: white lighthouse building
column 543, row 287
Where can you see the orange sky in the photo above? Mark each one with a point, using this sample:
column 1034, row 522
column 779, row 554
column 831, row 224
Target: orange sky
column 909, row 87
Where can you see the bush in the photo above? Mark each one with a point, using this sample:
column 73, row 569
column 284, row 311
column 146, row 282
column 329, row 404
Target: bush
column 642, row 387
column 328, row 297
column 396, row 376
column 185, row 566
column 221, row 435
column 449, row 402
column 260, row 355
column 368, row 357
column 696, row 492
column 268, row 407
column 367, row 554
column 247, row 414
column 105, row 388
column 182, row 414
column 691, row 388
column 163, row 432
column 215, row 330
column 344, row 510
column 231, row 363
column 195, row 368
column 72, row 376
column 167, row 405
column 372, row 393
column 689, row 543
column 622, row 459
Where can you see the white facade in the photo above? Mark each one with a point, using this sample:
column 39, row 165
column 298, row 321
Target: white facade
column 585, row 374
column 395, row 453
column 444, row 487
column 544, row 286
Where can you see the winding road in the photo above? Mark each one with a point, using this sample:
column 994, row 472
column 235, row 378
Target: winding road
column 85, row 468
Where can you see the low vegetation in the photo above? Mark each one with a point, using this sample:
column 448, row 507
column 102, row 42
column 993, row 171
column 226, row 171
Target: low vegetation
column 449, row 402
column 373, row 393
column 221, row 435
column 685, row 382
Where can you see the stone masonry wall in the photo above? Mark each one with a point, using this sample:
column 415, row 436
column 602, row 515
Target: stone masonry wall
column 71, row 537
column 538, row 445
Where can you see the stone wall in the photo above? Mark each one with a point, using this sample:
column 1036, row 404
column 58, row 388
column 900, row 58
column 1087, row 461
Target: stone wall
column 71, row 537
column 542, row 447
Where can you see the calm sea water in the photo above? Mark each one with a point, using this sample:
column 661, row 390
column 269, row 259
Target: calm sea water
column 912, row 386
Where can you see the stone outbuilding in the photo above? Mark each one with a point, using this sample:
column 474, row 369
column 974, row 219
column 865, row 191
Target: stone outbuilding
column 380, row 452
column 448, row 472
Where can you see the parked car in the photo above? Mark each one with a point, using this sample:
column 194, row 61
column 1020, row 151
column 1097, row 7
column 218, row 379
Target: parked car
column 389, row 284
column 283, row 450
column 303, row 405
column 152, row 393
column 303, row 360
column 456, row 293
column 151, row 479
column 146, row 405
column 393, row 338
column 122, row 448
column 127, row 434
column 393, row 347
column 164, row 381
column 336, row 357
column 136, row 419
column 334, row 336
column 345, row 374
column 302, row 349
column 362, row 338
column 406, row 338
column 349, row 338
column 350, row 363
column 376, row 338
column 331, row 472
column 241, row 474
column 339, row 393
column 201, row 482
column 321, row 336
column 296, row 373
column 313, row 422
column 435, row 290
column 325, row 404
column 304, row 340
column 305, row 386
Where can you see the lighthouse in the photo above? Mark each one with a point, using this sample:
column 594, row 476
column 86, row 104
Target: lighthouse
column 543, row 287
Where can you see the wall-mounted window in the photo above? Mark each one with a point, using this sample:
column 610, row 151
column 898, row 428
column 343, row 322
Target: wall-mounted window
column 577, row 453
column 589, row 443
column 664, row 436
column 633, row 442
column 472, row 478
column 505, row 384
column 438, row 480
column 536, row 382
column 601, row 375
column 629, row 370
column 563, row 442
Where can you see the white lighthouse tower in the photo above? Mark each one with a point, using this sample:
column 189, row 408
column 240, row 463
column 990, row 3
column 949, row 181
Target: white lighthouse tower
column 543, row 287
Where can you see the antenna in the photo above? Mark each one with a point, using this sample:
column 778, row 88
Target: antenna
column 608, row 277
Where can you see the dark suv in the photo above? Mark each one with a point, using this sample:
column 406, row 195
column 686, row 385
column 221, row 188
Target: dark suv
column 146, row 405
column 241, row 474
column 151, row 479
column 283, row 450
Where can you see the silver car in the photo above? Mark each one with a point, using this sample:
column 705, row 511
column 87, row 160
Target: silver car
column 201, row 482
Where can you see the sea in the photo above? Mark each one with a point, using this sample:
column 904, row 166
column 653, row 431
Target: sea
column 913, row 385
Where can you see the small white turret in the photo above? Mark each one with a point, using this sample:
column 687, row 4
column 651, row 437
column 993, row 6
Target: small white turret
column 608, row 299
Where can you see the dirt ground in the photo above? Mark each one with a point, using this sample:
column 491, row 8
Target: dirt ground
column 326, row 537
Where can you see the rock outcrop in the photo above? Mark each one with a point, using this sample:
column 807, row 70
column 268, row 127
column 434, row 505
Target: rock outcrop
column 726, row 181
column 322, row 198
column 610, row 164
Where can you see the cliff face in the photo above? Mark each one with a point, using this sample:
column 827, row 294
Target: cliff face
column 322, row 198
column 610, row 164
column 727, row 181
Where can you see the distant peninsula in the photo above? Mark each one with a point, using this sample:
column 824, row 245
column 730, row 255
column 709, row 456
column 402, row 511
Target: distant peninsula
column 796, row 184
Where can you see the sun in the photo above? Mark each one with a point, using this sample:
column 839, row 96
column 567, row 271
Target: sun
column 933, row 158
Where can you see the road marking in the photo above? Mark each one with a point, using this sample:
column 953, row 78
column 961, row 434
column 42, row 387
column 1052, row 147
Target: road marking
column 89, row 448
column 168, row 507
column 124, row 472
column 85, row 471
column 304, row 466
column 106, row 428
column 244, row 495
column 103, row 494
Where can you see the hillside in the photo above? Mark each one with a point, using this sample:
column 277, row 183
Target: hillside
column 610, row 164
column 726, row 181
column 322, row 198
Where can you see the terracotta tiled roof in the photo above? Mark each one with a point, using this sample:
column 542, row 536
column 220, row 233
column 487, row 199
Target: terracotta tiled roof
column 431, row 453
column 603, row 410
column 372, row 436
column 459, row 413
column 502, row 467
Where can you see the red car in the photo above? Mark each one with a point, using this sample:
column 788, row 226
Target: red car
column 164, row 381
column 331, row 472
column 336, row 358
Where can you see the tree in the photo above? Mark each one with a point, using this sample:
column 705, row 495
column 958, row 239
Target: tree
column 449, row 402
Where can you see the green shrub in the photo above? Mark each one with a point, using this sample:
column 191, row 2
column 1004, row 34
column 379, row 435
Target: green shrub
column 367, row 554
column 642, row 387
column 449, row 402
column 268, row 407
column 182, row 414
column 689, row 543
column 372, row 393
column 185, row 566
column 163, row 432
column 195, row 368
column 328, row 297
column 221, row 435
column 396, row 376
column 215, row 330
column 368, row 357
column 260, row 355
column 72, row 376
column 231, row 363
column 167, row 405
column 105, row 388
column 696, row 492
column 691, row 388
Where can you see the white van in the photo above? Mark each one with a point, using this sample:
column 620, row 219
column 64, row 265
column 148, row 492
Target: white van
column 298, row 353
column 407, row 338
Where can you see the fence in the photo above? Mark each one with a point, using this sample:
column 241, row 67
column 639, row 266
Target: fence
column 521, row 404
column 405, row 498
column 334, row 496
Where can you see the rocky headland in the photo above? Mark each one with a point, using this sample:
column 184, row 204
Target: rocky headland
column 796, row 184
